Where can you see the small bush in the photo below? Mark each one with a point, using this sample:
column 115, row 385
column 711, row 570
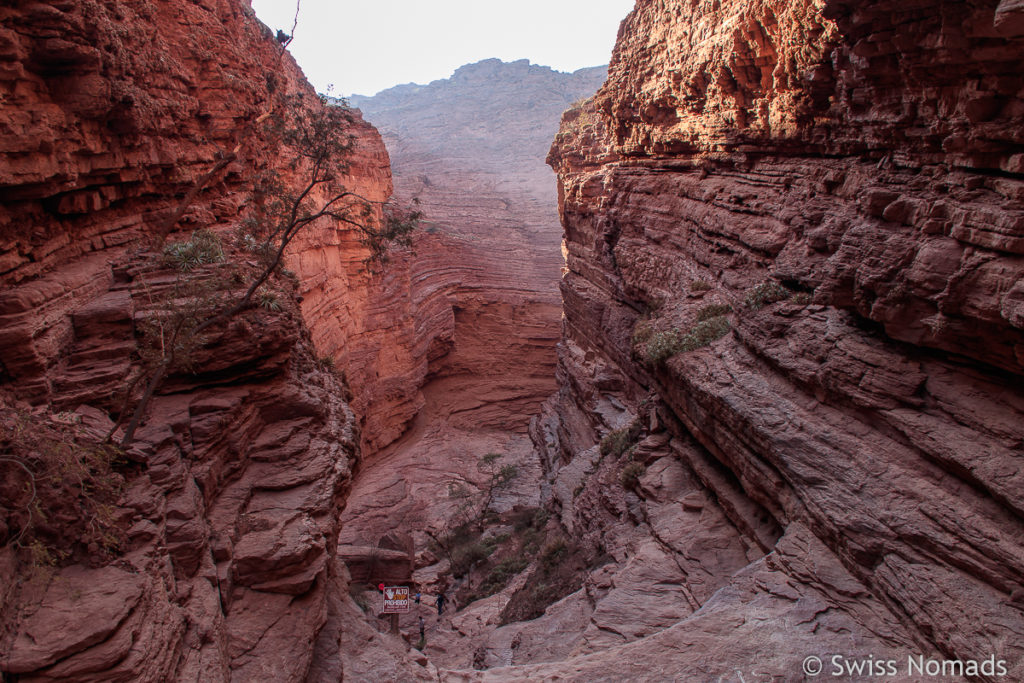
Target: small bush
column 664, row 345
column 802, row 298
column 267, row 299
column 491, row 544
column 703, row 333
column 713, row 311
column 203, row 247
column 616, row 443
column 661, row 346
column 767, row 292
column 465, row 557
column 59, row 489
column 523, row 518
column 540, row 518
column 552, row 554
column 532, row 539
column 499, row 576
column 631, row 474
column 642, row 332
column 699, row 286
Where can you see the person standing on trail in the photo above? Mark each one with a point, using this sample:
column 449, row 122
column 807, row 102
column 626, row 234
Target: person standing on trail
column 423, row 635
column 440, row 603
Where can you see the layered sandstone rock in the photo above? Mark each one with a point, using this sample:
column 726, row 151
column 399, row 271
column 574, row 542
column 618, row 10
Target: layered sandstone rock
column 471, row 150
column 115, row 116
column 838, row 187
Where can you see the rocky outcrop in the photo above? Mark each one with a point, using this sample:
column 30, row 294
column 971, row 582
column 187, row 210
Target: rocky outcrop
column 123, row 123
column 223, row 534
column 794, row 249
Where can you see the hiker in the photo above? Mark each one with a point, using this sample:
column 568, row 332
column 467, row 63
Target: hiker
column 417, row 598
column 440, row 603
column 423, row 635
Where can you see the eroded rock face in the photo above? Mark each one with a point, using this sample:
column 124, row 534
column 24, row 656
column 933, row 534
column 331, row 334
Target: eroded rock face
column 486, row 272
column 112, row 113
column 471, row 149
column 837, row 187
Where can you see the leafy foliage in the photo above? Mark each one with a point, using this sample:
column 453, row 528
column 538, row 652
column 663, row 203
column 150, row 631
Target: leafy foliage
column 767, row 292
column 631, row 474
column 663, row 345
column 500, row 575
column 316, row 145
column 59, row 489
column 713, row 311
column 203, row 247
column 699, row 286
column 618, row 442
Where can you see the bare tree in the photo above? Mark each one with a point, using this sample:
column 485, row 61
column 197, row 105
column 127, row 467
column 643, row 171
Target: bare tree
column 317, row 144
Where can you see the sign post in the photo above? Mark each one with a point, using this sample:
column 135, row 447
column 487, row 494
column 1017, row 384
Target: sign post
column 396, row 601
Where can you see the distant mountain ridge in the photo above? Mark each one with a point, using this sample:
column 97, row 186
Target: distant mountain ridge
column 492, row 117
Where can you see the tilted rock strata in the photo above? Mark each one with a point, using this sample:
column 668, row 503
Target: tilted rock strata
column 866, row 159
column 471, row 149
column 113, row 112
column 229, row 524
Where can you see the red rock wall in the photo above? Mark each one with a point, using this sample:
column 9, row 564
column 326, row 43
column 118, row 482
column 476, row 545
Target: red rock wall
column 867, row 156
column 110, row 112
column 470, row 149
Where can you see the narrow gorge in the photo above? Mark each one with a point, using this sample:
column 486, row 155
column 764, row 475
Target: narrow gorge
column 704, row 366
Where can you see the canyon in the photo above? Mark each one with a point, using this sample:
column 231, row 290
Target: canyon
column 755, row 354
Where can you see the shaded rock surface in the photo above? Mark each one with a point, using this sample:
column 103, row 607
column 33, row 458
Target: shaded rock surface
column 837, row 185
column 112, row 114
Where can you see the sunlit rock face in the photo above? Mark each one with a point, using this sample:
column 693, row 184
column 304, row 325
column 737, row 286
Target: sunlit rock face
column 834, row 467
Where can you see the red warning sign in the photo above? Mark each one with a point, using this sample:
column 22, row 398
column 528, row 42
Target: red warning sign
column 396, row 599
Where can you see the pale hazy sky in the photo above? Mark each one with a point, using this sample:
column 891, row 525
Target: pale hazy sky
column 366, row 46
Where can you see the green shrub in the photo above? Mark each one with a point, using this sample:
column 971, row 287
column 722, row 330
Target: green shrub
column 59, row 490
column 664, row 345
column 553, row 554
column 703, row 333
column 699, row 286
column 767, row 292
column 713, row 311
column 642, row 332
column 631, row 474
column 540, row 518
column 661, row 346
column 267, row 299
column 499, row 576
column 467, row 556
column 802, row 298
column 616, row 443
column 203, row 247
